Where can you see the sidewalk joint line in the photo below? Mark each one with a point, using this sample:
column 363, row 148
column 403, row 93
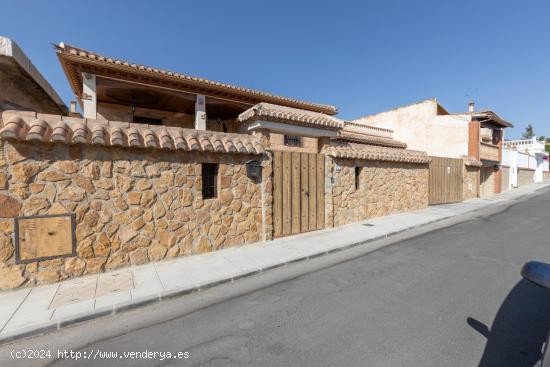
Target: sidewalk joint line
column 17, row 309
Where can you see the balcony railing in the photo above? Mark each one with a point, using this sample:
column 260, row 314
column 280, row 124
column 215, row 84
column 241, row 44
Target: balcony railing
column 530, row 145
column 488, row 152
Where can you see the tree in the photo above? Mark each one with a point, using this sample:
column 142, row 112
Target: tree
column 528, row 133
column 542, row 138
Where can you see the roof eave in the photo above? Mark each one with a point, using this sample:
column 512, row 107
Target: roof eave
column 66, row 59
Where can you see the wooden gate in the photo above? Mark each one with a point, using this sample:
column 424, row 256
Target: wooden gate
column 298, row 192
column 445, row 180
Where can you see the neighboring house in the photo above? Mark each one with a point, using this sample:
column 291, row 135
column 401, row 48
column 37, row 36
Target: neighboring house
column 523, row 162
column 22, row 85
column 475, row 137
column 163, row 164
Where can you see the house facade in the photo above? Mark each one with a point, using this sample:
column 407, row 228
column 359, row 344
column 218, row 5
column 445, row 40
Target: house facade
column 162, row 164
column 475, row 137
column 524, row 162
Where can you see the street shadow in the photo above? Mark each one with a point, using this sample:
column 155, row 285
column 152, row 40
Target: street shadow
column 519, row 330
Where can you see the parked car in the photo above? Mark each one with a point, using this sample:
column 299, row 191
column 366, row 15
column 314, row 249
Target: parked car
column 539, row 273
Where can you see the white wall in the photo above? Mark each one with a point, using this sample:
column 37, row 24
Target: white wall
column 524, row 160
column 448, row 136
column 422, row 128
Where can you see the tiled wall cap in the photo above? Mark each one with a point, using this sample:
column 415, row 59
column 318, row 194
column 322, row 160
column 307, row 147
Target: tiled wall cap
column 38, row 130
column 371, row 152
column 289, row 115
column 45, row 128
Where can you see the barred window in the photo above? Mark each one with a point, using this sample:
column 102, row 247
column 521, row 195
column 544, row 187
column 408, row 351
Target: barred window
column 209, row 180
column 357, row 177
column 293, row 141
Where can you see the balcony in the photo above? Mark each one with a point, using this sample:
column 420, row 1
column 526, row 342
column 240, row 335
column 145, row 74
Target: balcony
column 488, row 152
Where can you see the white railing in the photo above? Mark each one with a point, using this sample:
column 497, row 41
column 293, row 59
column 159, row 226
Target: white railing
column 525, row 145
column 367, row 129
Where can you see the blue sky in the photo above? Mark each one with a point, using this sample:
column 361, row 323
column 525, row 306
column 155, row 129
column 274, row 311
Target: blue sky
column 362, row 56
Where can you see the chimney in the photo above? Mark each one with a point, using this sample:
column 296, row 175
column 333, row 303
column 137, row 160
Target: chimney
column 73, row 107
column 471, row 105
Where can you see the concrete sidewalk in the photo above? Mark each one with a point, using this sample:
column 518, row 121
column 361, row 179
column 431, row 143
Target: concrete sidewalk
column 40, row 309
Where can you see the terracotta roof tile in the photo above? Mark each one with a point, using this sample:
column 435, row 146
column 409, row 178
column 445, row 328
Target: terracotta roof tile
column 374, row 153
column 43, row 128
column 68, row 51
column 471, row 161
column 289, row 115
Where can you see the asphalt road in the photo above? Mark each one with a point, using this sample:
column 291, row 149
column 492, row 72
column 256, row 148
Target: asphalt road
column 449, row 297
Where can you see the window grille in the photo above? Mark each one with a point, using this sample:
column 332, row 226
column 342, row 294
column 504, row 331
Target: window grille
column 293, row 141
column 209, row 180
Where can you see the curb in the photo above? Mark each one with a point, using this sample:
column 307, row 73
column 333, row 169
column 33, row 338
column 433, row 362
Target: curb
column 179, row 292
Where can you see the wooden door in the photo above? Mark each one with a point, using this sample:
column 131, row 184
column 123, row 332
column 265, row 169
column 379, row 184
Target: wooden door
column 298, row 192
column 445, row 180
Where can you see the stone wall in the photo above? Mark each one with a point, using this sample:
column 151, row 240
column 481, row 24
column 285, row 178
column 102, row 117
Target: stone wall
column 486, row 181
column 470, row 182
column 384, row 188
column 132, row 206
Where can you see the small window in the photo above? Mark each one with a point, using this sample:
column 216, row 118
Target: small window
column 146, row 120
column 293, row 141
column 357, row 177
column 209, row 180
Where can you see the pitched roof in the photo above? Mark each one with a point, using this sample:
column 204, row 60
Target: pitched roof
column 276, row 113
column 491, row 116
column 44, row 128
column 374, row 153
column 71, row 57
column 26, row 79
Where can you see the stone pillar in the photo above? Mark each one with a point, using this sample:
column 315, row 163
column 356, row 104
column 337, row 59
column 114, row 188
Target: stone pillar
column 498, row 181
column 89, row 96
column 200, row 112
column 321, row 143
column 267, row 197
column 264, row 135
column 330, row 180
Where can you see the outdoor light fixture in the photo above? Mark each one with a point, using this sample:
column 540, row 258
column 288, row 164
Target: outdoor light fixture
column 254, row 169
